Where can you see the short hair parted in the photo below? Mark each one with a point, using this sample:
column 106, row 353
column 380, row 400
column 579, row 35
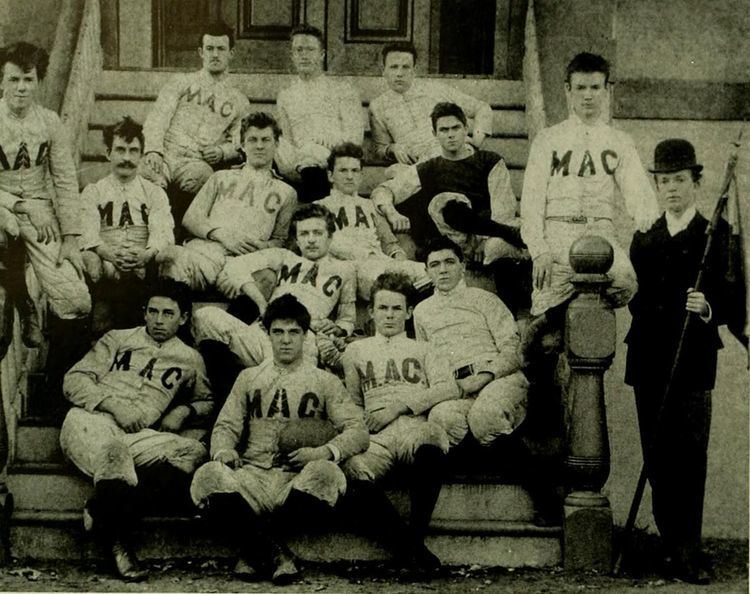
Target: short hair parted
column 305, row 29
column 312, row 211
column 127, row 129
column 444, row 110
column 396, row 282
column 345, row 149
column 217, row 29
column 403, row 47
column 260, row 120
column 287, row 307
column 171, row 289
column 440, row 243
column 26, row 56
column 587, row 62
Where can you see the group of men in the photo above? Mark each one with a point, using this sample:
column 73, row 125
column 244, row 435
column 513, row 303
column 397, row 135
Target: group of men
column 254, row 425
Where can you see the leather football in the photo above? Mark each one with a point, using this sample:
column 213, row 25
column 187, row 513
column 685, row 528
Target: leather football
column 305, row 433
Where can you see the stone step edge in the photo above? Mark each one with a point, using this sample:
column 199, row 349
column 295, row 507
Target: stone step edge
column 473, row 528
column 64, row 469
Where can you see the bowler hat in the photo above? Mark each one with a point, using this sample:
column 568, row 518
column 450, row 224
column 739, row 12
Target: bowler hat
column 674, row 154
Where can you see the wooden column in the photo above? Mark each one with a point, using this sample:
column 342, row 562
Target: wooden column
column 6, row 498
column 589, row 346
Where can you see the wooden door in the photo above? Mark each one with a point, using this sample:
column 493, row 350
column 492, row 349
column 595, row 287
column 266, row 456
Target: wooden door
column 177, row 24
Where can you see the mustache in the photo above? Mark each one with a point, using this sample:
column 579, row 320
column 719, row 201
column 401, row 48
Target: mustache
column 127, row 165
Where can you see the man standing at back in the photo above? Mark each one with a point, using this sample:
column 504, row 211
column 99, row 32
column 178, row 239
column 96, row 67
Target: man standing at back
column 39, row 192
column 568, row 188
column 194, row 127
column 315, row 113
column 400, row 117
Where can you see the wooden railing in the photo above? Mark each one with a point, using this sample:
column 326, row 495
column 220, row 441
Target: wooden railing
column 535, row 115
column 86, row 67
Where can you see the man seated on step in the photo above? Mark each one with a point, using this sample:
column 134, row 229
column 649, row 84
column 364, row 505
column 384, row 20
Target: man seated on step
column 275, row 454
column 362, row 235
column 236, row 212
column 194, row 126
column 39, row 196
column 477, row 334
column 326, row 286
column 464, row 194
column 396, row 381
column 126, row 224
column 316, row 112
column 400, row 117
column 132, row 394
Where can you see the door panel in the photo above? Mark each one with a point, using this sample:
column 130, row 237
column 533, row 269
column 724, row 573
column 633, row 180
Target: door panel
column 358, row 29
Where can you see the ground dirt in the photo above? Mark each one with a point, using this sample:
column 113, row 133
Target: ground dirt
column 731, row 575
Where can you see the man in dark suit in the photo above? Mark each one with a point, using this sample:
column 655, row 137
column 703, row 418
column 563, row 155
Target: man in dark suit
column 666, row 259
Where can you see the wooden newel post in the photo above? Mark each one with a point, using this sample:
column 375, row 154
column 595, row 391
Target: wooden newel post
column 589, row 346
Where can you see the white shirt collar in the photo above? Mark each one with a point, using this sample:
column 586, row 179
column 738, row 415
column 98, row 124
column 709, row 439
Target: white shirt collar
column 338, row 195
column 676, row 224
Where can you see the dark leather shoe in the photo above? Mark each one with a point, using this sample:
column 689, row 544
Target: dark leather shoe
column 126, row 564
column 285, row 570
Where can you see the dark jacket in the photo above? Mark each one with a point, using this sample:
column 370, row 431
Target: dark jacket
column 666, row 267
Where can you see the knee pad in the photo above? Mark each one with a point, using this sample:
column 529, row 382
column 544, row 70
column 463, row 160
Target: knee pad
column 115, row 464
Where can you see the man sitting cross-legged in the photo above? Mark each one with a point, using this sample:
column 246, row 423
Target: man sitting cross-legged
column 122, row 430
column 236, row 212
column 126, row 223
column 362, row 235
column 478, row 335
column 261, row 483
column 397, row 380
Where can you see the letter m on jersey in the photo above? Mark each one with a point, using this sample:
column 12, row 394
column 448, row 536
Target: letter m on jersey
column 561, row 165
column 122, row 362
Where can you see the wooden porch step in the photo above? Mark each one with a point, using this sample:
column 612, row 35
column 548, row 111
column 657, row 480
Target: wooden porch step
column 93, row 170
column 261, row 87
column 463, row 501
column 507, row 122
column 60, row 535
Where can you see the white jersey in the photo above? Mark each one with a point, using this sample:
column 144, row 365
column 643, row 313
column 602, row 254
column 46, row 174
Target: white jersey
column 470, row 326
column 132, row 366
column 322, row 111
column 113, row 210
column 381, row 371
column 267, row 397
column 36, row 163
column 361, row 231
column 573, row 170
column 244, row 201
column 193, row 111
column 322, row 286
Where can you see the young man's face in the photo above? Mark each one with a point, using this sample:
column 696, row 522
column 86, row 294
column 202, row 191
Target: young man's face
column 451, row 134
column 313, row 238
column 124, row 157
column 390, row 312
column 260, row 147
column 307, row 54
column 444, row 269
column 287, row 339
column 398, row 71
column 677, row 190
column 215, row 53
column 163, row 318
column 346, row 175
column 586, row 93
column 19, row 87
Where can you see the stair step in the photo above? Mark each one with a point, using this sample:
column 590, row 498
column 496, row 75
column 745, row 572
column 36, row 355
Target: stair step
column 147, row 83
column 90, row 171
column 61, row 536
column 38, row 444
column 57, row 488
column 110, row 108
